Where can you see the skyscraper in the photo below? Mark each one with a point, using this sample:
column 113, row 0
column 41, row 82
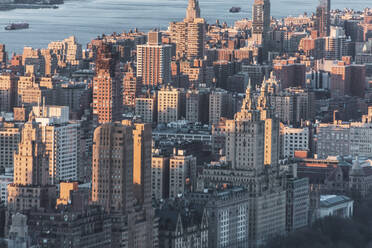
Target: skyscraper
column 3, row 55
column 252, row 154
column 220, row 102
column 131, row 87
column 154, row 61
column 9, row 138
column 31, row 160
column 142, row 230
column 8, row 90
column 142, row 147
column 323, row 18
column 193, row 10
column 261, row 21
column 112, row 172
column 189, row 35
column 121, row 163
column 253, row 137
column 62, row 142
column 31, row 187
column 106, row 86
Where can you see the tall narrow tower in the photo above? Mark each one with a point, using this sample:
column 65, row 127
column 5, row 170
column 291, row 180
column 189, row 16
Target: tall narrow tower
column 189, row 35
column 193, row 10
column 261, row 20
column 323, row 18
column 106, row 86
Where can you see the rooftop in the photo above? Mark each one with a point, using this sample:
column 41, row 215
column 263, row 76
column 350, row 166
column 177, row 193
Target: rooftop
column 333, row 200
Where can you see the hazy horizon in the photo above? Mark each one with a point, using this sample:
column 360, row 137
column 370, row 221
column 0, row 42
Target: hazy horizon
column 86, row 19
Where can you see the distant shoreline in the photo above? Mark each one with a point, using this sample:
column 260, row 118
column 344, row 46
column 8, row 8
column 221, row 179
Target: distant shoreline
column 12, row 6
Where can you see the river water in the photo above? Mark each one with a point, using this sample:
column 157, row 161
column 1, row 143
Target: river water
column 88, row 18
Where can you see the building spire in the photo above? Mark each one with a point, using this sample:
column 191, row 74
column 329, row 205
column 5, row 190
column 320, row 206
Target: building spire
column 248, row 101
column 193, row 10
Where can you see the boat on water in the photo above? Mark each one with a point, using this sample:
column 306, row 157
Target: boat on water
column 15, row 26
column 235, row 9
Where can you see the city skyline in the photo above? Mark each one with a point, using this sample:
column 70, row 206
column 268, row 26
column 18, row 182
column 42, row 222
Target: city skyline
column 79, row 12
column 252, row 134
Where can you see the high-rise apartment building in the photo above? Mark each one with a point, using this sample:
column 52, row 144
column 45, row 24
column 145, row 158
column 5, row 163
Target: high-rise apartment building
column 298, row 203
column 223, row 70
column 31, row 184
column 131, row 88
column 261, row 21
column 106, row 86
column 19, row 234
column 291, row 105
column 347, row 79
column 170, row 104
column 253, row 137
column 252, row 154
column 159, row 176
column 31, row 160
column 122, row 178
column 220, row 103
column 196, row 106
column 142, row 235
column 154, row 61
column 142, row 149
column 10, row 136
column 61, row 138
column 323, row 18
column 181, row 168
column 336, row 45
column 50, row 61
column 290, row 74
column 8, row 91
column 112, row 172
column 189, row 35
column 145, row 108
column 3, row 55
column 68, row 52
